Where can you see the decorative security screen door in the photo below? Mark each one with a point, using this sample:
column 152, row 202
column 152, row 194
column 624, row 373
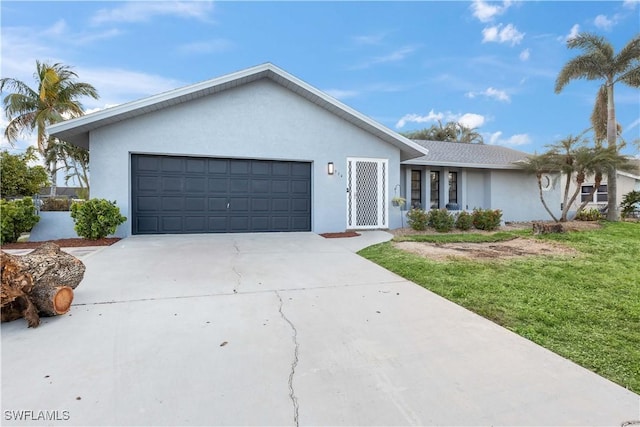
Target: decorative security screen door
column 367, row 184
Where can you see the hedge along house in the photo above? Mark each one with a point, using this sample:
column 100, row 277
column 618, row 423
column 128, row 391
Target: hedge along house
column 460, row 176
column 258, row 150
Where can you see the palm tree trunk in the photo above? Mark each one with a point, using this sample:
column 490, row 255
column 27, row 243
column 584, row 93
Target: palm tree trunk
column 544, row 203
column 566, row 204
column 612, row 176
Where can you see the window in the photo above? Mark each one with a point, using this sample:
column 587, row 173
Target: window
column 435, row 190
column 453, row 187
column 416, row 189
column 601, row 195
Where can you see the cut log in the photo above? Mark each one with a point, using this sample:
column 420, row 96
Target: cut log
column 15, row 285
column 40, row 282
column 52, row 300
column 48, row 264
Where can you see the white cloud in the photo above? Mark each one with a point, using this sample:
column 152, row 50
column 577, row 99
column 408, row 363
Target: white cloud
column 515, row 140
column 143, row 11
column 525, row 54
column 575, row 30
column 342, row 94
column 630, row 4
column 95, row 110
column 471, row 120
column 468, row 119
column 604, row 23
column 209, row 46
column 500, row 34
column 415, row 118
column 486, row 12
column 491, row 92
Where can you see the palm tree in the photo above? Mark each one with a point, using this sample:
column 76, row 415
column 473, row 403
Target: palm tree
column 55, row 99
column 539, row 165
column 451, row 131
column 599, row 62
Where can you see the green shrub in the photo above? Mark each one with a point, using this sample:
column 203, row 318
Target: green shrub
column 16, row 217
column 96, row 218
column 464, row 221
column 486, row 219
column 592, row 214
column 56, row 204
column 417, row 219
column 441, row 219
column 630, row 203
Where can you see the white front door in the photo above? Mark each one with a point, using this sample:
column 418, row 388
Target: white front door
column 367, row 184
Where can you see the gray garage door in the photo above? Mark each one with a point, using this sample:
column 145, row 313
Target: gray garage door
column 172, row 194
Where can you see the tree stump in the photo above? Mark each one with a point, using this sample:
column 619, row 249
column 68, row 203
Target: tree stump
column 41, row 282
column 546, row 228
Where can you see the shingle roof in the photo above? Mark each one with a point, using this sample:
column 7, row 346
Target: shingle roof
column 459, row 154
column 76, row 131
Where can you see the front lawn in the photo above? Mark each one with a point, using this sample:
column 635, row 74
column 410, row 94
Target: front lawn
column 585, row 307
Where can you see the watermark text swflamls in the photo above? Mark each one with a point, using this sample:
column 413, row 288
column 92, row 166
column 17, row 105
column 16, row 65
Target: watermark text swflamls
column 31, row 415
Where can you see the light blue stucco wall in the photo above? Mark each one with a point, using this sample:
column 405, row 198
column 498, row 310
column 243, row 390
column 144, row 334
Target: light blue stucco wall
column 512, row 191
column 52, row 226
column 259, row 120
column 516, row 194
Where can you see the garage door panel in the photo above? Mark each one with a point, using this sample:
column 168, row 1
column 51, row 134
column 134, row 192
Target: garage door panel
column 172, row 164
column 177, row 194
column 218, row 166
column 239, row 185
column 172, row 204
column 195, row 204
column 148, row 183
column 299, row 205
column 172, row 224
column 172, row 184
column 217, row 204
column 239, row 167
column 279, row 186
column 300, row 187
column 280, row 205
column 195, row 185
column 195, row 224
column 218, row 224
column 148, row 203
column 300, row 169
column 147, row 224
column 218, row 185
column 196, row 165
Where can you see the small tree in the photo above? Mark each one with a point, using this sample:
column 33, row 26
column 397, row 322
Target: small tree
column 17, row 178
column 630, row 203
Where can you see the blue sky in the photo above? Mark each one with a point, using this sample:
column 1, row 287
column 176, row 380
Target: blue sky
column 489, row 65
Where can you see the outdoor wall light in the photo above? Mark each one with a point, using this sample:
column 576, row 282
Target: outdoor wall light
column 330, row 168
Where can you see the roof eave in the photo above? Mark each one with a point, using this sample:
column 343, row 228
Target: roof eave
column 419, row 162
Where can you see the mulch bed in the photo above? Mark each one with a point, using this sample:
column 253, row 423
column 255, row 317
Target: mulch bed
column 63, row 243
column 339, row 235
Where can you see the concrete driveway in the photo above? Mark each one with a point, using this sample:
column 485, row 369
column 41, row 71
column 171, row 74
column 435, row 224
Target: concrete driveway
column 281, row 329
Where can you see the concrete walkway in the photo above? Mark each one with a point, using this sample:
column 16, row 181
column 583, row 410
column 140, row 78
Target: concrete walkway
column 281, row 329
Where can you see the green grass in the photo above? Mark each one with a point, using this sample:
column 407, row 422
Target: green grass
column 585, row 308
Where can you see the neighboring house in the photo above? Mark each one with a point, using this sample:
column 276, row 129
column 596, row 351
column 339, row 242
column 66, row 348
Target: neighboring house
column 626, row 183
column 466, row 176
column 69, row 192
column 253, row 151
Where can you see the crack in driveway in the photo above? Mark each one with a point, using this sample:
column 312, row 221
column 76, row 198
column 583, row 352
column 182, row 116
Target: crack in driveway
column 294, row 364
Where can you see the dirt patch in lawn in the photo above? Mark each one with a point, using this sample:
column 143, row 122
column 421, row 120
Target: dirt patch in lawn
column 64, row 243
column 485, row 251
column 511, row 226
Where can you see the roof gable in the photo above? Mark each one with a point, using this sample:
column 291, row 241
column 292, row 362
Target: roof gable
column 458, row 154
column 76, row 131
